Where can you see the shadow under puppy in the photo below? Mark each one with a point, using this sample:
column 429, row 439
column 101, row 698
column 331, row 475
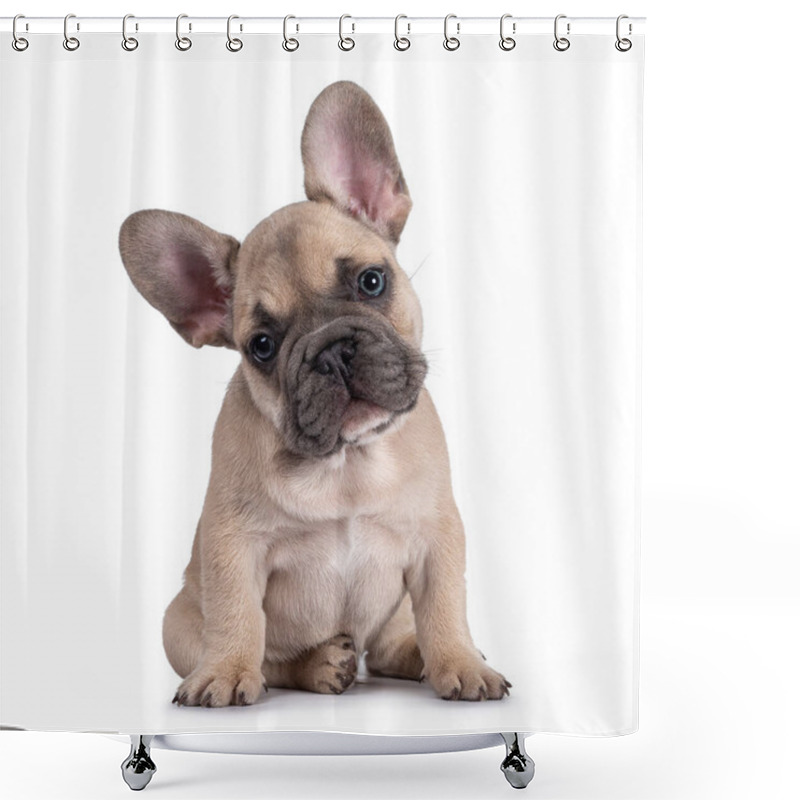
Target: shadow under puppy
column 329, row 526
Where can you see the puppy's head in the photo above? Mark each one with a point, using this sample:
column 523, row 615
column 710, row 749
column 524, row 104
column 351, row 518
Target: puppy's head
column 327, row 323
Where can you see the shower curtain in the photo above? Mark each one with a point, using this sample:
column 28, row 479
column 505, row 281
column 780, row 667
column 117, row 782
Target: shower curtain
column 523, row 246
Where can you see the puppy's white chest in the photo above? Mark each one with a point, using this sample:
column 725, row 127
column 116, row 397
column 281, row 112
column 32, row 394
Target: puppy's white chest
column 340, row 576
column 344, row 550
column 361, row 551
column 370, row 562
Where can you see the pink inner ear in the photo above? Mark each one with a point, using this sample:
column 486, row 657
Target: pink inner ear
column 365, row 184
column 363, row 199
column 203, row 327
column 199, row 303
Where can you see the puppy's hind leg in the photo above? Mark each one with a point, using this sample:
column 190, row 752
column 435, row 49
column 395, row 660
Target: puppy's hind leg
column 183, row 632
column 393, row 652
column 328, row 668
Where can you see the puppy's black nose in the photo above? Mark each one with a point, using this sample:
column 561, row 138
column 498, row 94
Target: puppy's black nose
column 334, row 360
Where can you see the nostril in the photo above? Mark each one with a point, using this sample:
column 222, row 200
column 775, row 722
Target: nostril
column 325, row 363
column 335, row 359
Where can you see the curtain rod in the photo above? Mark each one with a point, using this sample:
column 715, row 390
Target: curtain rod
column 325, row 25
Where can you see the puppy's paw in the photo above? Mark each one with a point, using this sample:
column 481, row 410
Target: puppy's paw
column 329, row 668
column 218, row 685
column 400, row 660
column 466, row 677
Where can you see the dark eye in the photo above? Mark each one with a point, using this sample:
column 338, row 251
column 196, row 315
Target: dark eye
column 262, row 347
column 371, row 282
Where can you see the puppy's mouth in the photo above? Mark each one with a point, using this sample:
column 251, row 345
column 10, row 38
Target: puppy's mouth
column 349, row 381
column 361, row 417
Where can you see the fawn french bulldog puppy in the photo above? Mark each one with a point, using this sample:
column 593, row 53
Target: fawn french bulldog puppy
column 329, row 526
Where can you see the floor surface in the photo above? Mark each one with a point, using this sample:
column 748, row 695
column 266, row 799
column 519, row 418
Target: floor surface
column 719, row 703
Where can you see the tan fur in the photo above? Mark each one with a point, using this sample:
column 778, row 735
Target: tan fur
column 301, row 564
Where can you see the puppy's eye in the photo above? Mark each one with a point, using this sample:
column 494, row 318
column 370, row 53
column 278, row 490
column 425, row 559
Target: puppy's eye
column 262, row 347
column 371, row 282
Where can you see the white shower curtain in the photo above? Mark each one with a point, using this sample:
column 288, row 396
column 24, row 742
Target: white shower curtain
column 524, row 247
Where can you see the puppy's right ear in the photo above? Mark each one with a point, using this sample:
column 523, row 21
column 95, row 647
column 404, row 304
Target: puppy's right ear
column 350, row 160
column 185, row 270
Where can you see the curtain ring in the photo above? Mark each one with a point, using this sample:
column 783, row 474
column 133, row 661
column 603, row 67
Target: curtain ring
column 70, row 42
column 183, row 43
column 623, row 45
column 129, row 43
column 345, row 42
column 451, row 42
column 561, row 43
column 289, row 44
column 506, row 42
column 18, row 42
column 401, row 42
column 234, row 45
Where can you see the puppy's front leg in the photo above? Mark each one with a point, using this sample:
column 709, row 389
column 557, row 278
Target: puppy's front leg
column 453, row 665
column 233, row 581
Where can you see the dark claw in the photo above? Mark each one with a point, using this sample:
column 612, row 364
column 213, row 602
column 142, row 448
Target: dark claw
column 348, row 663
column 175, row 699
column 453, row 695
column 334, row 689
column 509, row 685
column 348, row 645
column 206, row 701
column 482, row 693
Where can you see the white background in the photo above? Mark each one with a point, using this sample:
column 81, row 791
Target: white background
column 721, row 527
column 536, row 387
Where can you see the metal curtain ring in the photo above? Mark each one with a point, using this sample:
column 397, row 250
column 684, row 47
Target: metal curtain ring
column 345, row 42
column 451, row 42
column 289, row 44
column 401, row 42
column 506, row 42
column 623, row 45
column 129, row 43
column 70, row 42
column 18, row 42
column 561, row 43
column 234, row 45
column 183, row 43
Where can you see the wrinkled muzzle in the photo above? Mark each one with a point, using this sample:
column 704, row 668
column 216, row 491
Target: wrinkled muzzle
column 347, row 379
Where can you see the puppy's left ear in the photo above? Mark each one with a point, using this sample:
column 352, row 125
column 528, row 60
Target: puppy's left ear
column 350, row 160
column 185, row 270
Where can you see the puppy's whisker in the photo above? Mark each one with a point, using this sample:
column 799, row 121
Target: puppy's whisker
column 434, row 365
column 432, row 356
column 421, row 265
